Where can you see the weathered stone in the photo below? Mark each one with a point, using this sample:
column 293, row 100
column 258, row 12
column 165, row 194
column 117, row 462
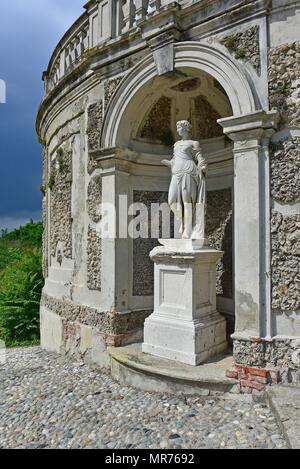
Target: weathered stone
column 205, row 120
column 94, row 198
column 106, row 322
column 285, row 170
column 275, row 354
column 284, row 82
column 158, row 122
column 285, row 232
column 143, row 270
column 219, row 233
column 60, row 200
column 94, row 255
column 245, row 45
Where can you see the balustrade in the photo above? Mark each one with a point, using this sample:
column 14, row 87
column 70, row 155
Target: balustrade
column 102, row 21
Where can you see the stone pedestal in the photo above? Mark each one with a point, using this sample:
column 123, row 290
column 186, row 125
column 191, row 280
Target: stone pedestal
column 185, row 325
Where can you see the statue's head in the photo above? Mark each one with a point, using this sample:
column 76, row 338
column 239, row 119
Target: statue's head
column 183, row 126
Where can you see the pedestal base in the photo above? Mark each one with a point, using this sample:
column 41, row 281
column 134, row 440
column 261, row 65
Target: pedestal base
column 186, row 342
column 185, row 325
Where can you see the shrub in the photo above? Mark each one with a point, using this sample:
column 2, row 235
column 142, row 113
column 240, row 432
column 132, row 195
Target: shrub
column 31, row 234
column 21, row 284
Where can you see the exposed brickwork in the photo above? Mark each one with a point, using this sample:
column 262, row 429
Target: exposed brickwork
column 250, row 378
column 274, row 361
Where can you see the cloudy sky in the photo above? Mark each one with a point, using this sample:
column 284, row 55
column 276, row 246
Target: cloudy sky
column 29, row 32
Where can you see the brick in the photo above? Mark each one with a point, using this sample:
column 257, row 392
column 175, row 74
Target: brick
column 239, row 367
column 255, row 339
column 259, row 379
column 257, row 371
column 252, row 384
column 242, row 375
column 231, row 374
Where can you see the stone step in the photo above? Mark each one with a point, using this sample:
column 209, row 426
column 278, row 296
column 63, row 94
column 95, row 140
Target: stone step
column 131, row 367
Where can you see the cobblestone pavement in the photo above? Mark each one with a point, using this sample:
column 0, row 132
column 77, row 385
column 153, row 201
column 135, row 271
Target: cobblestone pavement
column 51, row 402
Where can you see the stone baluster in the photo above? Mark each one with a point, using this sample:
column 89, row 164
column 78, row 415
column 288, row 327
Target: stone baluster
column 86, row 39
column 155, row 5
column 141, row 9
column 62, row 63
column 68, row 56
column 166, row 2
column 56, row 73
column 128, row 10
column 81, row 45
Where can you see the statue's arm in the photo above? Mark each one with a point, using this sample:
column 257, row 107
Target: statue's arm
column 202, row 163
column 167, row 163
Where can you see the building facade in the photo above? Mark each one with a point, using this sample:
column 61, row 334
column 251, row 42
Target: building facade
column 117, row 83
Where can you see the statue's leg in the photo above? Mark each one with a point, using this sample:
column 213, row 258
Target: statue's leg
column 176, row 209
column 199, row 228
column 188, row 220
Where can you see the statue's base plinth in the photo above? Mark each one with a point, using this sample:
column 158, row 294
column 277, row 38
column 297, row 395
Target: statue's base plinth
column 185, row 325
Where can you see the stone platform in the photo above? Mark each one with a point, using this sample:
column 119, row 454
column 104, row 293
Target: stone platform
column 131, row 367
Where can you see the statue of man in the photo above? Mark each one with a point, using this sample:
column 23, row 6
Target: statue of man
column 187, row 193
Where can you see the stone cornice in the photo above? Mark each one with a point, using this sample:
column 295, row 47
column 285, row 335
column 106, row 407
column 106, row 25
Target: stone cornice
column 250, row 126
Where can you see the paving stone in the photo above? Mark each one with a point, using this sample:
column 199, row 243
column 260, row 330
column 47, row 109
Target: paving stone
column 37, row 410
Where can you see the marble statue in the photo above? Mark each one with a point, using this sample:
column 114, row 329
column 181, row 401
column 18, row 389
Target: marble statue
column 187, row 192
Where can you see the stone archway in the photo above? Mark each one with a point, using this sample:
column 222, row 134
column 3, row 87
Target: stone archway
column 250, row 128
column 186, row 55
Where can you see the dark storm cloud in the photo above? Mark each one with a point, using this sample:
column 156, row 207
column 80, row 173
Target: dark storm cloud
column 29, row 32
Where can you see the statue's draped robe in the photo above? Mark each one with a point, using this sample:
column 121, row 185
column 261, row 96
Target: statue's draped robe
column 188, row 183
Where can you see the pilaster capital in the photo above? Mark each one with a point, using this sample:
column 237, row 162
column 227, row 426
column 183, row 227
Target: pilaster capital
column 250, row 127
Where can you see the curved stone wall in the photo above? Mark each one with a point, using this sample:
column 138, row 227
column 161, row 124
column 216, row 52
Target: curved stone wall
column 106, row 91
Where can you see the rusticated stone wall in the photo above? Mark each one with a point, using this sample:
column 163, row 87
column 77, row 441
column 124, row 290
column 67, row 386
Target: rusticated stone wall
column 245, row 45
column 94, row 125
column 60, row 182
column 284, row 82
column 94, row 242
column 94, row 198
column 110, row 87
column 95, row 118
column 143, row 267
column 284, row 95
column 219, row 232
column 94, row 257
column 285, row 232
column 283, row 355
column 105, row 321
column 285, row 170
column 204, row 119
column 158, row 122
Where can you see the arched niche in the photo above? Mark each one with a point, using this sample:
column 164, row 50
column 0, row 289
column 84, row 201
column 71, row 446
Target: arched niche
column 140, row 88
